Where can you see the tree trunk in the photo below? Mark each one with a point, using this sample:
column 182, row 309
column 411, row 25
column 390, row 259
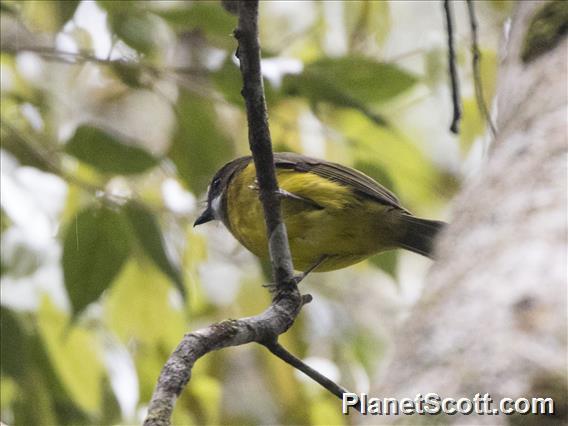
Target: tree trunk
column 493, row 317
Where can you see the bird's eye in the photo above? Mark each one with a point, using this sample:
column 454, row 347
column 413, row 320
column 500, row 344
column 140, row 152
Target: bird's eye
column 215, row 184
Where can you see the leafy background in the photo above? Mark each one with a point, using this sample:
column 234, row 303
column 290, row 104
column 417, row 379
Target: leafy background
column 115, row 115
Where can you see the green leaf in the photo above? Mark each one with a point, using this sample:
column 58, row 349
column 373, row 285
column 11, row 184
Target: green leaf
column 547, row 27
column 95, row 247
column 25, row 359
column 349, row 81
column 66, row 9
column 416, row 180
column 149, row 235
column 364, row 78
column 5, row 221
column 106, row 153
column 111, row 415
column 146, row 290
column 208, row 17
column 132, row 23
column 136, row 29
column 387, row 262
column 128, row 72
column 113, row 7
column 199, row 147
column 47, row 16
column 367, row 21
column 229, row 81
column 73, row 353
column 7, row 8
column 12, row 331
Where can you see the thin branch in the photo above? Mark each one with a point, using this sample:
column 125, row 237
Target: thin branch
column 177, row 371
column 452, row 68
column 50, row 162
column 38, row 155
column 261, row 146
column 43, row 160
column 54, row 54
column 278, row 350
column 475, row 63
column 73, row 58
column 287, row 300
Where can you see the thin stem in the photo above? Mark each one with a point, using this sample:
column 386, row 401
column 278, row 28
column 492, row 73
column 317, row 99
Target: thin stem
column 475, row 63
column 288, row 301
column 452, row 68
column 278, row 350
column 42, row 158
column 261, row 146
column 71, row 58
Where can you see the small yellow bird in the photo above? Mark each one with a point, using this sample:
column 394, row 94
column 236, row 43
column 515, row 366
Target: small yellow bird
column 335, row 215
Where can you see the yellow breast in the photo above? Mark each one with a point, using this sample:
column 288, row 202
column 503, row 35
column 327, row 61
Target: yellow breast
column 346, row 227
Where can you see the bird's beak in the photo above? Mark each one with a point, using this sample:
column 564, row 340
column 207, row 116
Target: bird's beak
column 206, row 216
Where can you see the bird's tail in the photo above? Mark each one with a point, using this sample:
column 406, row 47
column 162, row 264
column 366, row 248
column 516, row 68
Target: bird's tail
column 420, row 234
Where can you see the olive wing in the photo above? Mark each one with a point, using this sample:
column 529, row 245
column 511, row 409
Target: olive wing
column 340, row 174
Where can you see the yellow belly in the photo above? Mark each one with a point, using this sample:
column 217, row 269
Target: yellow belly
column 346, row 230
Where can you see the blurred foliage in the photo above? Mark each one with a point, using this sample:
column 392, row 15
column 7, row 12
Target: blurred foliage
column 547, row 28
column 147, row 230
column 336, row 79
column 199, row 147
column 107, row 153
column 95, row 247
column 116, row 114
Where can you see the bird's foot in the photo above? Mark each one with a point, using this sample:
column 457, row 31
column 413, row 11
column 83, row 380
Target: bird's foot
column 297, row 279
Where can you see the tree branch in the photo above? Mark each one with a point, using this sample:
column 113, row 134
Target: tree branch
column 74, row 58
column 476, row 59
column 287, row 301
column 278, row 350
column 454, row 127
column 177, row 371
column 260, row 143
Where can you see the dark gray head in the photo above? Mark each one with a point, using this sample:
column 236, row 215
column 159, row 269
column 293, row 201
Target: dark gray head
column 216, row 191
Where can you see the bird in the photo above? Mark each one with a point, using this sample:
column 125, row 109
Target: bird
column 335, row 215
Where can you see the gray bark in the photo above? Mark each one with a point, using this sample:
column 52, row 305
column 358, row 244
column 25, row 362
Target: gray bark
column 493, row 317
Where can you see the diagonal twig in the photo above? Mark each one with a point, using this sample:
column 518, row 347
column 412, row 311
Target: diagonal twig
column 452, row 68
column 278, row 350
column 475, row 63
